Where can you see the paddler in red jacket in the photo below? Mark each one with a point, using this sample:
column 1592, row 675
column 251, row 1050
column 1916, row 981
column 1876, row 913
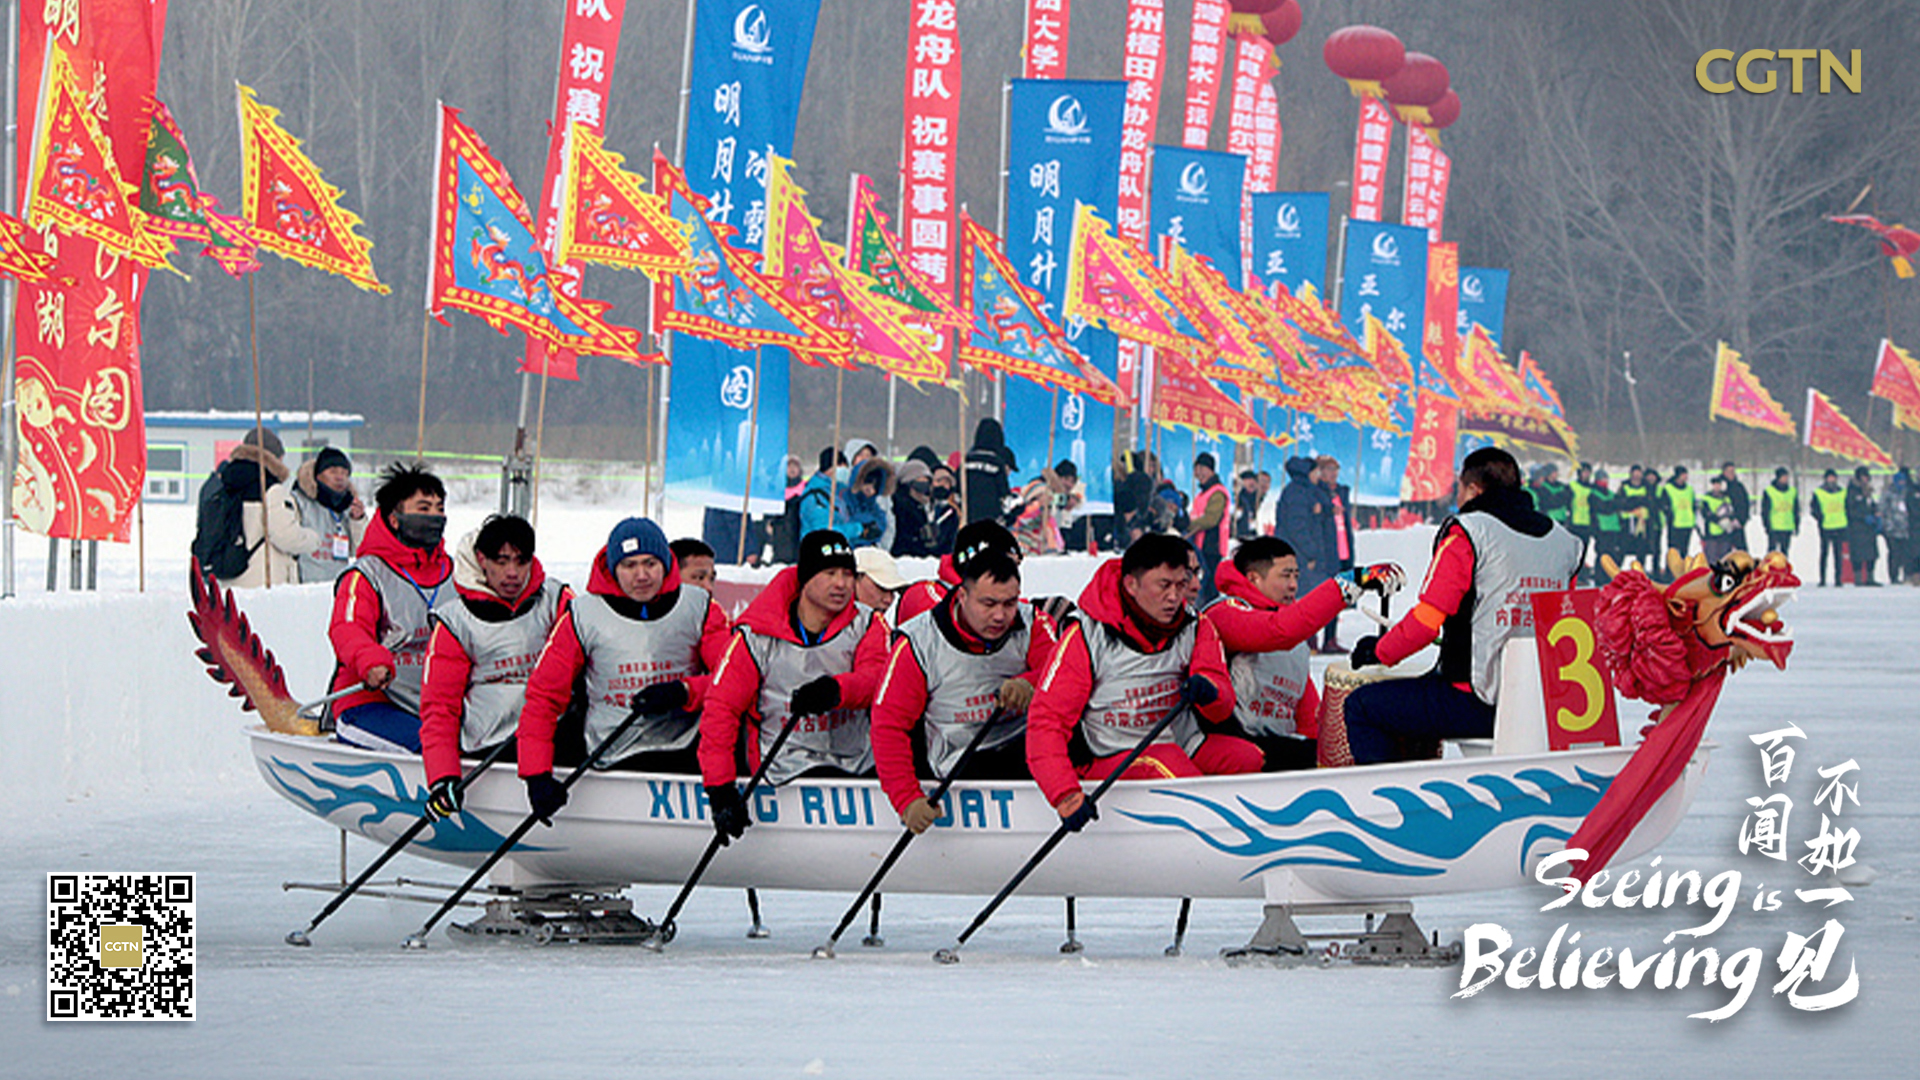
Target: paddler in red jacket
column 1267, row 634
column 977, row 653
column 638, row 639
column 803, row 649
column 379, row 628
column 1124, row 659
column 481, row 651
column 921, row 596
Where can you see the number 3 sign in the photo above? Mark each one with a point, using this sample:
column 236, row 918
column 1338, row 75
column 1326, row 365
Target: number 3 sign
column 1579, row 695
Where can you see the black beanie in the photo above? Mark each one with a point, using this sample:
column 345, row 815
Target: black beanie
column 823, row 549
column 331, row 457
column 1206, row 459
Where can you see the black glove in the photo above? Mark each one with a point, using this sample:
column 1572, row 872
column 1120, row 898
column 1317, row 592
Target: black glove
column 664, row 697
column 1082, row 814
column 729, row 811
column 821, row 695
column 545, row 796
column 443, row 798
column 1201, row 691
column 1363, row 652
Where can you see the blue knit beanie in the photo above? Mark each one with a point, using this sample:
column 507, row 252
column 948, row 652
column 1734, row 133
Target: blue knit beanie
column 637, row 536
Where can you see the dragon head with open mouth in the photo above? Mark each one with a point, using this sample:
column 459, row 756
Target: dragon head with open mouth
column 1659, row 640
column 1735, row 603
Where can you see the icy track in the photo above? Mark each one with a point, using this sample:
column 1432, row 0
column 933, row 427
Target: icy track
column 116, row 753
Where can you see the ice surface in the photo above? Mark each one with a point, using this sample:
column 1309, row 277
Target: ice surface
column 116, row 753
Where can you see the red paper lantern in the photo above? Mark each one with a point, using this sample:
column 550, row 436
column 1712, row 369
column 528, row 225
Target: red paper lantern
column 1420, row 82
column 1443, row 112
column 1363, row 53
column 1276, row 20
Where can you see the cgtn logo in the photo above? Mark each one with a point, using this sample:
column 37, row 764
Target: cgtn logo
column 1471, row 289
column 752, row 42
column 1386, row 250
column 1067, row 121
column 1193, row 183
column 1286, row 222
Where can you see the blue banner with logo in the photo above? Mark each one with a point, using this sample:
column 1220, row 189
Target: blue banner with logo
column 749, row 67
column 1384, row 274
column 1290, row 238
column 1483, row 300
column 1196, row 200
column 1063, row 138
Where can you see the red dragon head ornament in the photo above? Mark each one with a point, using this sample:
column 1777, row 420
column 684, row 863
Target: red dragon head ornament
column 1659, row 641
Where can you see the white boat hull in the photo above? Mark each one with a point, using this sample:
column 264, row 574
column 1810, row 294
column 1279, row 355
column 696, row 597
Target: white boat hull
column 1373, row 833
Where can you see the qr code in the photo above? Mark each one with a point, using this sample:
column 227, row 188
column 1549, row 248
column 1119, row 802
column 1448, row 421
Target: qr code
column 120, row 946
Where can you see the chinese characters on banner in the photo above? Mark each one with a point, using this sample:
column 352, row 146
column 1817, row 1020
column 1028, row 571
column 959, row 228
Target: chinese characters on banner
column 1483, row 300
column 1146, row 54
column 1045, row 48
column 1766, row 833
column 82, row 436
column 1206, row 56
column 1385, row 273
column 1250, row 68
column 1436, row 414
column 1440, row 176
column 1263, row 172
column 930, row 143
column 589, row 42
column 1416, row 191
column 1370, row 148
column 1290, row 238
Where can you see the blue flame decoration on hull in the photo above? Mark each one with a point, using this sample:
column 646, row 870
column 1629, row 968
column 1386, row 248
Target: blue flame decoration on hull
column 457, row 834
column 1444, row 833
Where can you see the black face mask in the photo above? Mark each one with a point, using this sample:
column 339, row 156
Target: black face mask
column 335, row 501
column 920, row 487
column 420, row 530
column 941, row 494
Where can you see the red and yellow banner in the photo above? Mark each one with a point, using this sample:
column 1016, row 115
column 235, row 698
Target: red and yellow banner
column 1183, row 397
column 930, row 140
column 1739, row 397
column 1108, row 285
column 1372, row 143
column 1010, row 331
column 77, row 186
column 17, row 260
column 1896, row 377
column 292, row 209
column 1430, row 456
column 1829, row 431
column 612, row 219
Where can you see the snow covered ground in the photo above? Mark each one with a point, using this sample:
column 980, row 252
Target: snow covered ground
column 117, row 754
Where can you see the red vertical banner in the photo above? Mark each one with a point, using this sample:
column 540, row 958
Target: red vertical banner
column 1252, row 61
column 82, row 433
column 1437, row 192
column 1578, row 691
column 1371, row 145
column 1263, row 172
column 1436, row 416
column 1145, row 59
column 1206, row 56
column 1436, row 425
column 1045, row 48
column 1414, row 202
column 930, row 140
column 589, row 42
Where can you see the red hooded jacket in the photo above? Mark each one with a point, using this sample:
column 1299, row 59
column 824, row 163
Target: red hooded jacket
column 735, row 690
column 1256, row 625
column 354, row 630
column 901, row 702
column 923, row 595
column 1062, row 696
column 550, row 687
column 443, row 691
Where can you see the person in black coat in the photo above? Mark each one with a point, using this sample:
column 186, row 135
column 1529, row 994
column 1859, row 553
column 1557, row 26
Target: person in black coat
column 1304, row 519
column 1863, row 527
column 1742, row 504
column 988, row 464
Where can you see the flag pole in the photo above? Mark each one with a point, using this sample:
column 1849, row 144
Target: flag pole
column 753, row 449
column 539, row 433
column 646, row 459
column 666, row 344
column 839, row 380
column 259, row 439
column 1000, row 191
column 9, row 297
column 420, row 430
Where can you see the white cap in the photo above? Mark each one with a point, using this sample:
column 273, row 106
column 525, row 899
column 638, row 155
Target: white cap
column 879, row 566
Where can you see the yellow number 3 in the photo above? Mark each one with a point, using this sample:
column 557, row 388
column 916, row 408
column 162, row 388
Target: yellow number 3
column 1580, row 672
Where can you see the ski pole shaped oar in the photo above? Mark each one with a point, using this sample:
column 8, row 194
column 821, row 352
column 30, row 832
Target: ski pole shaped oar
column 311, row 710
column 951, row 955
column 663, row 931
column 825, row 952
column 299, row 937
column 418, row 939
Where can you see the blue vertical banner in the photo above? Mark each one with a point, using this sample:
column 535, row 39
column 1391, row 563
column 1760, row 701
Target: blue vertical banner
column 1384, row 274
column 749, row 67
column 1063, row 138
column 1483, row 300
column 1290, row 238
column 1196, row 200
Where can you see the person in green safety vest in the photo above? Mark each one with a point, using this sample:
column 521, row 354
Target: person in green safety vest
column 1829, row 507
column 1580, row 510
column 1550, row 496
column 1780, row 510
column 1679, row 503
column 1717, row 526
column 1639, row 532
column 1608, row 527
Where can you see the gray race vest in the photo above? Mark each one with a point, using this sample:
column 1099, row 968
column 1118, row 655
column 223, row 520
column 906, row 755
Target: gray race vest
column 963, row 688
column 502, row 654
column 1508, row 568
column 1132, row 690
column 625, row 655
column 1267, row 686
column 838, row 738
column 319, row 564
column 404, row 628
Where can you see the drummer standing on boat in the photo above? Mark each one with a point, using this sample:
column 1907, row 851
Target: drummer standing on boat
column 1490, row 557
column 381, row 606
column 1133, row 651
column 975, row 655
column 639, row 639
column 802, row 649
column 481, row 651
